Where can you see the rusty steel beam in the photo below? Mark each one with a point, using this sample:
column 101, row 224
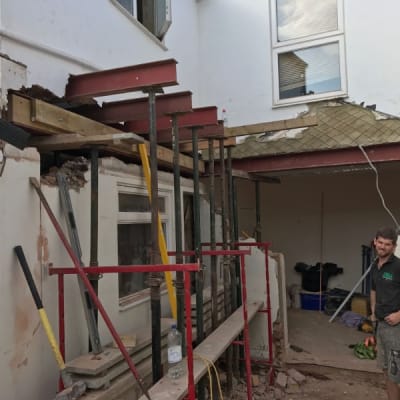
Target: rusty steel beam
column 122, row 80
column 319, row 159
column 198, row 118
column 137, row 109
column 185, row 134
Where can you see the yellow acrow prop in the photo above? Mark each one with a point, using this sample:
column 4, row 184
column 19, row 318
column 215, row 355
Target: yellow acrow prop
column 161, row 239
column 51, row 338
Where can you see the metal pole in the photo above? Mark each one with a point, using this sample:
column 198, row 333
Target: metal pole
column 214, row 277
column 232, row 264
column 94, row 222
column 351, row 292
column 154, row 280
column 179, row 285
column 226, row 264
column 258, row 212
column 191, row 387
column 197, row 249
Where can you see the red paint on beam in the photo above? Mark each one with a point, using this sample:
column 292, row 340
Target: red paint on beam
column 328, row 158
column 185, row 134
column 138, row 109
column 122, row 80
column 199, row 117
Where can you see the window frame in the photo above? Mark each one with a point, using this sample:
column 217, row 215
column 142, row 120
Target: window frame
column 130, row 218
column 303, row 43
column 133, row 18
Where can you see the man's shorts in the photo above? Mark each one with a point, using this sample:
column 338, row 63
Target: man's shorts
column 388, row 358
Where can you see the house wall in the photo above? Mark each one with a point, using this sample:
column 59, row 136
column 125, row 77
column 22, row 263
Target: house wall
column 337, row 213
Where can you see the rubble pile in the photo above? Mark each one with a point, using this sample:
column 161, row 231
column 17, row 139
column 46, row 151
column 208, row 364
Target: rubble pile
column 73, row 170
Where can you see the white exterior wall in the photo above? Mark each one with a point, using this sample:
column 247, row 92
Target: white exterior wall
column 223, row 49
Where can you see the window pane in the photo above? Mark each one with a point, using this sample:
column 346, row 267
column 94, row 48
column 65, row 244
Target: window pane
column 138, row 203
column 300, row 18
column 309, row 71
column 127, row 4
column 134, row 247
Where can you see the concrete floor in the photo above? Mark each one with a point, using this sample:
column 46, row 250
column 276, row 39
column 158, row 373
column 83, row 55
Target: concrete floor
column 324, row 343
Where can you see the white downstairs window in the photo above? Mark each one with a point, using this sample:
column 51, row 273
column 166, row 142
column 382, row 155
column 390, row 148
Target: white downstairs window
column 308, row 50
column 134, row 239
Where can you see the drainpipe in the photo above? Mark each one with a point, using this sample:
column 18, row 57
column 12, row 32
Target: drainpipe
column 179, row 284
column 154, row 280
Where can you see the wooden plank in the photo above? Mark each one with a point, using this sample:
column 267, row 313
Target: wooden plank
column 68, row 141
column 211, row 348
column 300, row 122
column 86, row 364
column 19, row 113
column 52, row 120
column 203, row 145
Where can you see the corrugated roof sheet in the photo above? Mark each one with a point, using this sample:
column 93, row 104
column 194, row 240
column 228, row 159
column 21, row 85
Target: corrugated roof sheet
column 340, row 125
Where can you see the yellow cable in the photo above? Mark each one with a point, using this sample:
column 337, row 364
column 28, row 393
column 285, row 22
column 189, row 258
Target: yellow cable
column 208, row 362
column 161, row 238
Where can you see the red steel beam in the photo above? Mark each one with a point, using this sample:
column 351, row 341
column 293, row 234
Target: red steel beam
column 137, row 109
column 122, row 80
column 199, row 117
column 185, row 134
column 319, row 159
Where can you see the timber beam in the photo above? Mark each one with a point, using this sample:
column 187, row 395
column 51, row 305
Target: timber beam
column 198, row 118
column 273, row 126
column 203, row 145
column 69, row 141
column 39, row 116
column 137, row 109
column 185, row 134
column 122, row 80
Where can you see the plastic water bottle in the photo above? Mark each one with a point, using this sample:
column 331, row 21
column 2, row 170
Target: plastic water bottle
column 175, row 365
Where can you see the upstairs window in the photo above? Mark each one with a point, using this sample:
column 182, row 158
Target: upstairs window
column 155, row 15
column 308, row 50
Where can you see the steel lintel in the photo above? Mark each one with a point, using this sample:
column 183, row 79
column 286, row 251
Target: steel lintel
column 319, row 159
column 199, row 117
column 185, row 134
column 122, row 80
column 138, row 109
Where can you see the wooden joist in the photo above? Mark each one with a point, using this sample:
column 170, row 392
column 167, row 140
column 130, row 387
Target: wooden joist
column 210, row 348
column 37, row 115
column 68, row 141
column 203, row 145
column 300, row 122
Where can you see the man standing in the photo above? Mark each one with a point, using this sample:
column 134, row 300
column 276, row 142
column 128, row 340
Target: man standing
column 385, row 307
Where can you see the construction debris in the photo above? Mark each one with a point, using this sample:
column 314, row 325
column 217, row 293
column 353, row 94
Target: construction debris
column 73, row 170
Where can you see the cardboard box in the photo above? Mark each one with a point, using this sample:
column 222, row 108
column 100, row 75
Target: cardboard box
column 361, row 305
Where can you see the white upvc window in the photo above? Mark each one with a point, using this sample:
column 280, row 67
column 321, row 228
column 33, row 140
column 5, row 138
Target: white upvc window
column 308, row 57
column 134, row 237
column 154, row 15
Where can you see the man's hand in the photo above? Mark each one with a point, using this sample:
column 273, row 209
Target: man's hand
column 393, row 319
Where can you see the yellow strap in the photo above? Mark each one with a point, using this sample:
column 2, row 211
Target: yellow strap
column 161, row 239
column 51, row 338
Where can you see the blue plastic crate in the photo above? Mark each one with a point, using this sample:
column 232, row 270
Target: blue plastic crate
column 310, row 301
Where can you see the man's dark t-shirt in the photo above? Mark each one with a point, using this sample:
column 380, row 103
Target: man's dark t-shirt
column 386, row 283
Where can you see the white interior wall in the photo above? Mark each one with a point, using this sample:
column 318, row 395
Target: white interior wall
column 291, row 218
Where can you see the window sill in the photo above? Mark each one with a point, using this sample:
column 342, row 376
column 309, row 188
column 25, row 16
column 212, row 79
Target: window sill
column 311, row 99
column 138, row 24
column 135, row 299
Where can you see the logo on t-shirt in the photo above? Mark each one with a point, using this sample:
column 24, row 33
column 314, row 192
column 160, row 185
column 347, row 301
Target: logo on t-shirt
column 388, row 276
